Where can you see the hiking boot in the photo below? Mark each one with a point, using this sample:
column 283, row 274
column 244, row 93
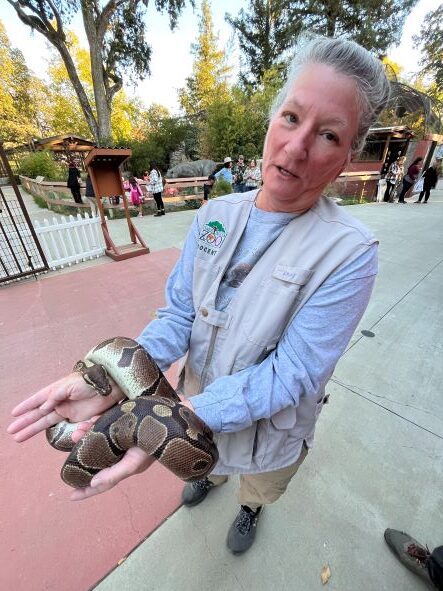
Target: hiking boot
column 241, row 534
column 410, row 552
column 196, row 492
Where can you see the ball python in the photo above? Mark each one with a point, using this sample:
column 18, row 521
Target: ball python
column 151, row 417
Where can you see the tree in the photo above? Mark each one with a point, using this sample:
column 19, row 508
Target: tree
column 66, row 113
column 165, row 136
column 268, row 29
column 18, row 112
column 208, row 82
column 431, row 42
column 374, row 24
column 239, row 125
column 115, row 30
column 265, row 32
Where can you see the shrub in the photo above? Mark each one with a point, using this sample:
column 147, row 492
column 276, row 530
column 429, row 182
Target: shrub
column 42, row 164
column 221, row 187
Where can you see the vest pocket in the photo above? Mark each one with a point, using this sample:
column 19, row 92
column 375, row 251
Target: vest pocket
column 273, row 305
column 235, row 449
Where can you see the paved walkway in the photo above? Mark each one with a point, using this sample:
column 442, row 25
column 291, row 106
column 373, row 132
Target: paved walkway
column 377, row 462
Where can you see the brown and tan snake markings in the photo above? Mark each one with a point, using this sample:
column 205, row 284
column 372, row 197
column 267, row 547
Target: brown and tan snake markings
column 151, row 418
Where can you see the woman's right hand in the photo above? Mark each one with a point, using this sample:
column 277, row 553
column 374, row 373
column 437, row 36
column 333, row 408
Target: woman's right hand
column 69, row 398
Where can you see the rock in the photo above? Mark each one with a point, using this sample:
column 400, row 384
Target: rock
column 191, row 169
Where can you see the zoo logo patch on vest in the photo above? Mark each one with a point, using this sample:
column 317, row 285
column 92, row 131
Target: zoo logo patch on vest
column 212, row 236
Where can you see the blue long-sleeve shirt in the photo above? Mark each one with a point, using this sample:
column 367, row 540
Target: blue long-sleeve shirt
column 225, row 173
column 305, row 356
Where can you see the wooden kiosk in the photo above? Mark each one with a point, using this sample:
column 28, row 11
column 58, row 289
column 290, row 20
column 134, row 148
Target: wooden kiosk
column 103, row 165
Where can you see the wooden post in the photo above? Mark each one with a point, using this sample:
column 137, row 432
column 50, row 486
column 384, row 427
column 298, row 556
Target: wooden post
column 103, row 165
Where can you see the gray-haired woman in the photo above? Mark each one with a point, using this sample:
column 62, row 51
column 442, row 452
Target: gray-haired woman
column 262, row 338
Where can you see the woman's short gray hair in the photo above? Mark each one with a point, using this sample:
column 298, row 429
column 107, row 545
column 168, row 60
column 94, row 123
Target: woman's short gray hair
column 347, row 58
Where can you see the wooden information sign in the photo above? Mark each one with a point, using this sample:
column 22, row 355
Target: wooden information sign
column 103, row 165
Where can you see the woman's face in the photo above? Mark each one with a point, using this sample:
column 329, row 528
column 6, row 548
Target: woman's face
column 252, row 164
column 309, row 139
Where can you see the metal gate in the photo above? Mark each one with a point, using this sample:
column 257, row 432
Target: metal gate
column 20, row 251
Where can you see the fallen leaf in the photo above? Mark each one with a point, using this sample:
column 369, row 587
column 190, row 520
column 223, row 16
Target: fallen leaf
column 325, row 574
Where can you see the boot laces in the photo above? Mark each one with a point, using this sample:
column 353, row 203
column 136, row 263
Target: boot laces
column 418, row 552
column 245, row 520
column 203, row 484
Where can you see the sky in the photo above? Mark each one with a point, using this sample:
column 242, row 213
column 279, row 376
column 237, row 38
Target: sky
column 171, row 60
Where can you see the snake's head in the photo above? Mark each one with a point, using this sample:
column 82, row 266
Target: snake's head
column 96, row 376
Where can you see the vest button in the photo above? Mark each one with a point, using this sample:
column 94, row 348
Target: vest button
column 204, row 312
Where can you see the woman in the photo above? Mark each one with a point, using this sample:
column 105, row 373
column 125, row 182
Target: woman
column 430, row 178
column 226, row 172
column 393, row 177
column 73, row 181
column 252, row 176
column 155, row 187
column 409, row 179
column 263, row 337
column 136, row 195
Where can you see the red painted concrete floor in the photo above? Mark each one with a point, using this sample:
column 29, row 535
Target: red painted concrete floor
column 47, row 541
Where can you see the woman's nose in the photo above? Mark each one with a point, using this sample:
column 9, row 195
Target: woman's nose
column 298, row 144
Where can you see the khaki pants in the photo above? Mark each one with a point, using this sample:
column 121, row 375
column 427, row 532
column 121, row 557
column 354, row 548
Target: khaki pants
column 265, row 488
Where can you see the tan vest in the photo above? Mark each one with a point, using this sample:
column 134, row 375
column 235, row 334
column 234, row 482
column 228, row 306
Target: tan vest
column 308, row 250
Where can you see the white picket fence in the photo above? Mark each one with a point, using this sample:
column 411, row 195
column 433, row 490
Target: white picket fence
column 70, row 241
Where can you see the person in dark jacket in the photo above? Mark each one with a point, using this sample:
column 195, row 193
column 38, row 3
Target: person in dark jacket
column 73, row 181
column 410, row 178
column 90, row 196
column 430, row 178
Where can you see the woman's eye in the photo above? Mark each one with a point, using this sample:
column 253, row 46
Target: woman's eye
column 331, row 137
column 291, row 118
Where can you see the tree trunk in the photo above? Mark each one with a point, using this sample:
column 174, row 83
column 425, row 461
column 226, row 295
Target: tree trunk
column 102, row 103
column 78, row 87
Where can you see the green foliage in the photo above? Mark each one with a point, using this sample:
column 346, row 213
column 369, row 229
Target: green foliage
column 42, row 164
column 239, row 125
column 167, row 135
column 431, row 42
column 374, row 24
column 208, row 82
column 42, row 203
column 221, row 187
column 18, row 115
column 266, row 31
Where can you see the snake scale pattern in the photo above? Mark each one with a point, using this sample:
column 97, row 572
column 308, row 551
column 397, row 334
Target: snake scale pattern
column 151, row 417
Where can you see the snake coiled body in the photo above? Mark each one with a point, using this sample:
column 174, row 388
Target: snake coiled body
column 151, row 418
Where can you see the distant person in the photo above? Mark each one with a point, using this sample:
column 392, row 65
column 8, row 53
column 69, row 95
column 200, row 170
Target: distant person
column 416, row 557
column 207, row 187
column 73, row 181
column 410, row 178
column 430, row 178
column 252, row 176
column 90, row 195
column 238, row 170
column 136, row 195
column 156, row 188
column 225, row 172
column 393, row 178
